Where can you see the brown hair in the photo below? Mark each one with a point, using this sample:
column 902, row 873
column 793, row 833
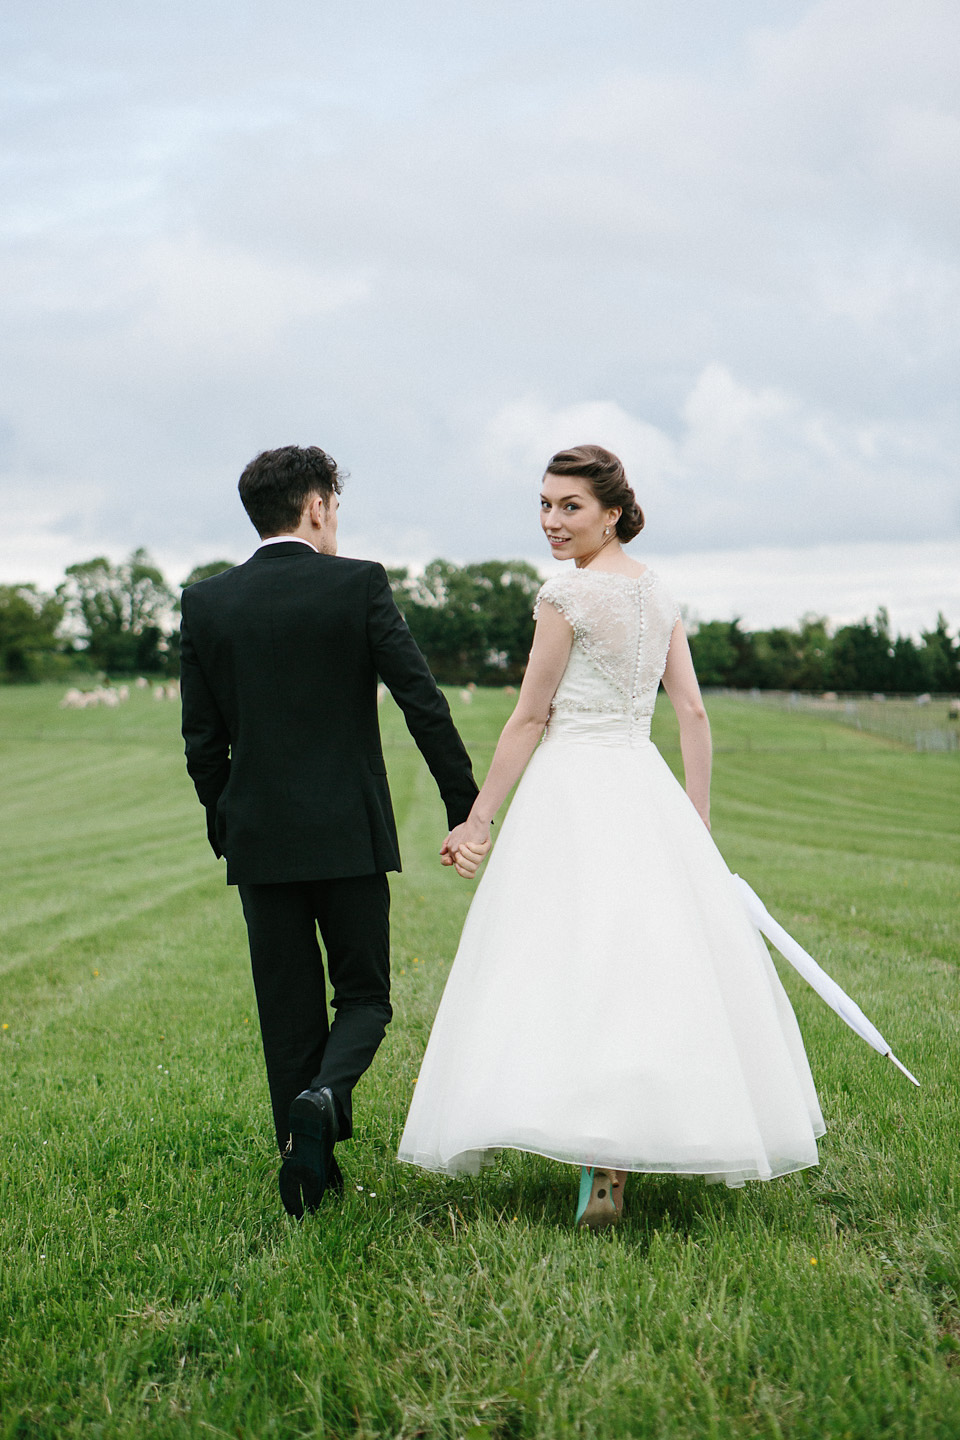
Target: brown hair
column 608, row 481
column 276, row 485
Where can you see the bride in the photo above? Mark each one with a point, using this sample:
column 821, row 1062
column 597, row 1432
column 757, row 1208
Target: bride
column 611, row 1004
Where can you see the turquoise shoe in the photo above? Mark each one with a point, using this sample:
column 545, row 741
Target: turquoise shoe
column 596, row 1208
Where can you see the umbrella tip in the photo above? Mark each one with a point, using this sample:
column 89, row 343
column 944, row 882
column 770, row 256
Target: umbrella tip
column 901, row 1066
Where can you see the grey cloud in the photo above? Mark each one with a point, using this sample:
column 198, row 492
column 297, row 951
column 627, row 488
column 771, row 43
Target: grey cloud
column 387, row 230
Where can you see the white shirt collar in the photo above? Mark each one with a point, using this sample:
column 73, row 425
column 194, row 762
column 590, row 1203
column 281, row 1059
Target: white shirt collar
column 285, row 539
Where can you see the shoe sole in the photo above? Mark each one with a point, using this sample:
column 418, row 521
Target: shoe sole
column 310, row 1169
column 300, row 1189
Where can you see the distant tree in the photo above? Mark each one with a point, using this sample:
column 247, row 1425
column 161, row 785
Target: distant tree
column 941, row 658
column 204, row 572
column 861, row 656
column 907, row 673
column 444, row 617
column 714, row 652
column 814, row 643
column 473, row 622
column 29, row 621
column 120, row 613
column 745, row 672
column 505, row 591
column 778, row 657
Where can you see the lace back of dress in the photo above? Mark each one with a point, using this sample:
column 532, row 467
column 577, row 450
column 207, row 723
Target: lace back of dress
column 622, row 628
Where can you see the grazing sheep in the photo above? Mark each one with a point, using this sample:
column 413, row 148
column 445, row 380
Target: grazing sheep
column 466, row 696
column 141, row 682
column 381, row 693
column 73, row 700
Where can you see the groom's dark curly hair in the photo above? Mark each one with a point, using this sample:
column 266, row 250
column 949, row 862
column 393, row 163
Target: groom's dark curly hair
column 276, row 486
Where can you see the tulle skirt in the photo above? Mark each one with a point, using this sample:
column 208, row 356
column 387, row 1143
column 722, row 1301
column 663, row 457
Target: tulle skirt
column 611, row 1002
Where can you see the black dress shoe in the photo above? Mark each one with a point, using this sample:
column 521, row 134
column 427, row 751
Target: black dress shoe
column 309, row 1168
column 335, row 1179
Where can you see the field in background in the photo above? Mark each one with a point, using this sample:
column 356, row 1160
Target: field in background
column 925, row 723
column 149, row 1282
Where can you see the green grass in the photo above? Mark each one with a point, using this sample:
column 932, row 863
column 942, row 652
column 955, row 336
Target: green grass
column 150, row 1284
column 931, row 726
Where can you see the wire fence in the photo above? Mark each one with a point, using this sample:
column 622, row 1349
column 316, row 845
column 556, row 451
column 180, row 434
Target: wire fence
column 924, row 722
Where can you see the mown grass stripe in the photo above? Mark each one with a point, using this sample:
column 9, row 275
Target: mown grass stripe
column 150, row 1284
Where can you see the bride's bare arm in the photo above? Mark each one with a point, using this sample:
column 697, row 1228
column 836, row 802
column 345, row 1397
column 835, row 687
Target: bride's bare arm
column 552, row 640
column 680, row 683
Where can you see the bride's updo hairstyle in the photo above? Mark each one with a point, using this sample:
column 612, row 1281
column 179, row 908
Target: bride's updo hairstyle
column 608, row 481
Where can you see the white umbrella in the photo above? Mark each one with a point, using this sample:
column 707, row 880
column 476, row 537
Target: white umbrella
column 826, row 988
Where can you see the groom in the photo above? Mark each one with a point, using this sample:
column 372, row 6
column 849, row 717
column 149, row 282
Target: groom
column 279, row 665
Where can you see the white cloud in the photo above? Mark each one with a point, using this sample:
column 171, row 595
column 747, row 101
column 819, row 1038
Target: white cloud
column 214, row 303
column 745, row 465
column 778, row 585
column 719, row 238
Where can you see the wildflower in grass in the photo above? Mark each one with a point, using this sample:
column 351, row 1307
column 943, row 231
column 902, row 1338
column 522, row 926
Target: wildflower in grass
column 813, row 1259
column 96, row 974
column 5, row 1025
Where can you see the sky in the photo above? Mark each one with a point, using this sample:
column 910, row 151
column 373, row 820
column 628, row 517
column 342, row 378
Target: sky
column 445, row 239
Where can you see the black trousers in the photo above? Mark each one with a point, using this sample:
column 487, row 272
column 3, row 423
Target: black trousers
column 300, row 1046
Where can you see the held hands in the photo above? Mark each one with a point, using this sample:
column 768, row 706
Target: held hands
column 465, row 847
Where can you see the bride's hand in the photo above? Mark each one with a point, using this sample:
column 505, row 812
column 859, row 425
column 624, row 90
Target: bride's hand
column 465, row 847
column 468, row 859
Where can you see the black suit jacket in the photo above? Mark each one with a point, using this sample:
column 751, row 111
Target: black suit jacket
column 278, row 667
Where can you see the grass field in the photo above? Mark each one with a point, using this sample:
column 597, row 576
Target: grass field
column 928, row 726
column 151, row 1285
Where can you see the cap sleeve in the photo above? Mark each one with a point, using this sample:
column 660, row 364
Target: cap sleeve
column 668, row 605
column 559, row 592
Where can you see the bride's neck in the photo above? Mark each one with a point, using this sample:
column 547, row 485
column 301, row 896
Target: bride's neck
column 584, row 560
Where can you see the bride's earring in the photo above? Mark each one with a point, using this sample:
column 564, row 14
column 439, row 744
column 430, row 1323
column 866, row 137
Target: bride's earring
column 606, row 530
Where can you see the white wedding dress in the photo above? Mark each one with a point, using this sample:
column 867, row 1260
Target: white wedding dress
column 611, row 1002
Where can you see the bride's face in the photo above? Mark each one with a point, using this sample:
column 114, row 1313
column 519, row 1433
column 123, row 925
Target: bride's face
column 572, row 517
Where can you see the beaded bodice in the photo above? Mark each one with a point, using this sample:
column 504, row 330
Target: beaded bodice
column 621, row 634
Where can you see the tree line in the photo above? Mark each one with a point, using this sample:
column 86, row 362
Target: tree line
column 472, row 622
column 103, row 618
